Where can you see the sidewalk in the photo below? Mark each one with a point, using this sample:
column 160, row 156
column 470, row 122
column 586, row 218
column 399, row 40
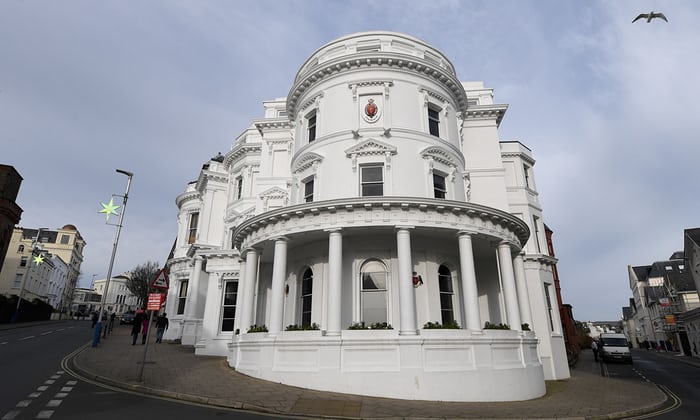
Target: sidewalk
column 172, row 370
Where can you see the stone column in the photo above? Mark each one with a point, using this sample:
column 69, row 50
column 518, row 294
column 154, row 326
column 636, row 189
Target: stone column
column 193, row 291
column 335, row 270
column 407, row 296
column 251, row 270
column 239, row 296
column 279, row 272
column 508, row 279
column 470, row 293
column 521, row 286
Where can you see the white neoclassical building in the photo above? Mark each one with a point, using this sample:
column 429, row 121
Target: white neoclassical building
column 376, row 193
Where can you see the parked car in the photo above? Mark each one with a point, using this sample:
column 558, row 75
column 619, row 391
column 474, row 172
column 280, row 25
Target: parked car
column 127, row 318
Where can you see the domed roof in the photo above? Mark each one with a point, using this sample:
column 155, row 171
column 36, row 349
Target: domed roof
column 69, row 227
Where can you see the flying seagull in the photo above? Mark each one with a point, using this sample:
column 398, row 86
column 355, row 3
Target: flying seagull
column 650, row 16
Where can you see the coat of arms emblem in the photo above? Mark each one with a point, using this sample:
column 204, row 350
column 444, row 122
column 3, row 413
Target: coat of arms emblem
column 371, row 108
column 371, row 113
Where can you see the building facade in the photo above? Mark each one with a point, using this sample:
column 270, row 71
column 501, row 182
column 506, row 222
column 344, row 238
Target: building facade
column 52, row 280
column 10, row 212
column 119, row 298
column 373, row 203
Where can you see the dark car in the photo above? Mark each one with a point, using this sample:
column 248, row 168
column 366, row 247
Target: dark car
column 127, row 318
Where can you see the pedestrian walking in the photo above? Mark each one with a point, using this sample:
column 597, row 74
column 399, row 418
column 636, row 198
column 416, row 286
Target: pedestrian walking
column 111, row 321
column 144, row 330
column 136, row 327
column 161, row 326
column 94, row 319
column 594, row 347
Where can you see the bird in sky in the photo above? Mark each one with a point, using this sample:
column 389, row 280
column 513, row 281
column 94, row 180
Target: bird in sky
column 650, row 16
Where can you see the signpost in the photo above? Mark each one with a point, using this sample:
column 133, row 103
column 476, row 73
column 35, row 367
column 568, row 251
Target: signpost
column 155, row 302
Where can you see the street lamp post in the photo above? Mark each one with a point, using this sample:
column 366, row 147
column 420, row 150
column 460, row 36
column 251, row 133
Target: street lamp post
column 98, row 326
column 35, row 246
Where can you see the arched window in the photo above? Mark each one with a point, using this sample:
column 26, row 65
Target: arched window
column 307, row 283
column 21, row 248
column 446, row 295
column 373, row 292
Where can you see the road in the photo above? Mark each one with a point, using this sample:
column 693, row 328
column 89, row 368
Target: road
column 35, row 385
column 681, row 381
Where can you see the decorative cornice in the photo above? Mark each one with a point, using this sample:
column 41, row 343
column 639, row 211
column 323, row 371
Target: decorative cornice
column 379, row 60
column 273, row 124
column 241, row 150
column 486, row 112
column 519, row 155
column 422, row 213
column 187, row 196
column 273, row 193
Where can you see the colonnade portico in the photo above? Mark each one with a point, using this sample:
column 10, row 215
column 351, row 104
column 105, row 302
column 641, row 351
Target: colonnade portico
column 511, row 269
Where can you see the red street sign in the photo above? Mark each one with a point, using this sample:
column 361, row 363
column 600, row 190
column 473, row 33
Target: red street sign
column 161, row 281
column 155, row 301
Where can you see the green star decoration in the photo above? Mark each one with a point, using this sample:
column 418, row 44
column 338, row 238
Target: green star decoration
column 38, row 259
column 109, row 209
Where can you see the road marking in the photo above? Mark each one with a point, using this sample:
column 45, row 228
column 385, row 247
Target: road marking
column 42, row 388
column 35, row 395
column 54, row 403
column 60, row 372
column 4, row 342
column 10, row 415
column 60, row 329
column 24, row 403
column 71, row 382
column 49, row 382
column 44, row 414
column 61, row 395
column 67, row 389
column 47, row 333
column 55, row 376
column 25, row 338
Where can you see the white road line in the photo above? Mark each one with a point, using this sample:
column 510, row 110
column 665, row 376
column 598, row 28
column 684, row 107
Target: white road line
column 49, row 382
column 3, row 343
column 60, row 329
column 54, row 403
column 24, row 403
column 61, row 395
column 25, row 338
column 60, row 372
column 44, row 414
column 10, row 415
column 47, row 333
column 42, row 388
column 72, row 383
column 67, row 389
column 35, row 395
column 55, row 376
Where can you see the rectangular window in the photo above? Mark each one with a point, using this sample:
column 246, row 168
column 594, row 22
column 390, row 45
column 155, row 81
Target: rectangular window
column 526, row 169
column 23, row 262
column 549, row 306
column 311, row 126
column 372, row 180
column 309, row 191
column 65, row 239
column 228, row 312
column 194, row 220
column 239, row 187
column 536, row 232
column 434, row 122
column 182, row 297
column 439, row 186
column 17, row 282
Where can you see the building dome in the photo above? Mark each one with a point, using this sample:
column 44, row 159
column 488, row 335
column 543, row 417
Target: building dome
column 69, row 227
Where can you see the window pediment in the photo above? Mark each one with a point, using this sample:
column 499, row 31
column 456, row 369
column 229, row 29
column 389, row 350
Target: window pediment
column 371, row 147
column 438, row 154
column 274, row 193
column 306, row 161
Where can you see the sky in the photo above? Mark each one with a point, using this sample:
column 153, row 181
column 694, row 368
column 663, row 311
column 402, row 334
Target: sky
column 608, row 108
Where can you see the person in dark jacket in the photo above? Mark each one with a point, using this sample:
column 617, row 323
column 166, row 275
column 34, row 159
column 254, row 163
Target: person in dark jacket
column 136, row 327
column 161, row 326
